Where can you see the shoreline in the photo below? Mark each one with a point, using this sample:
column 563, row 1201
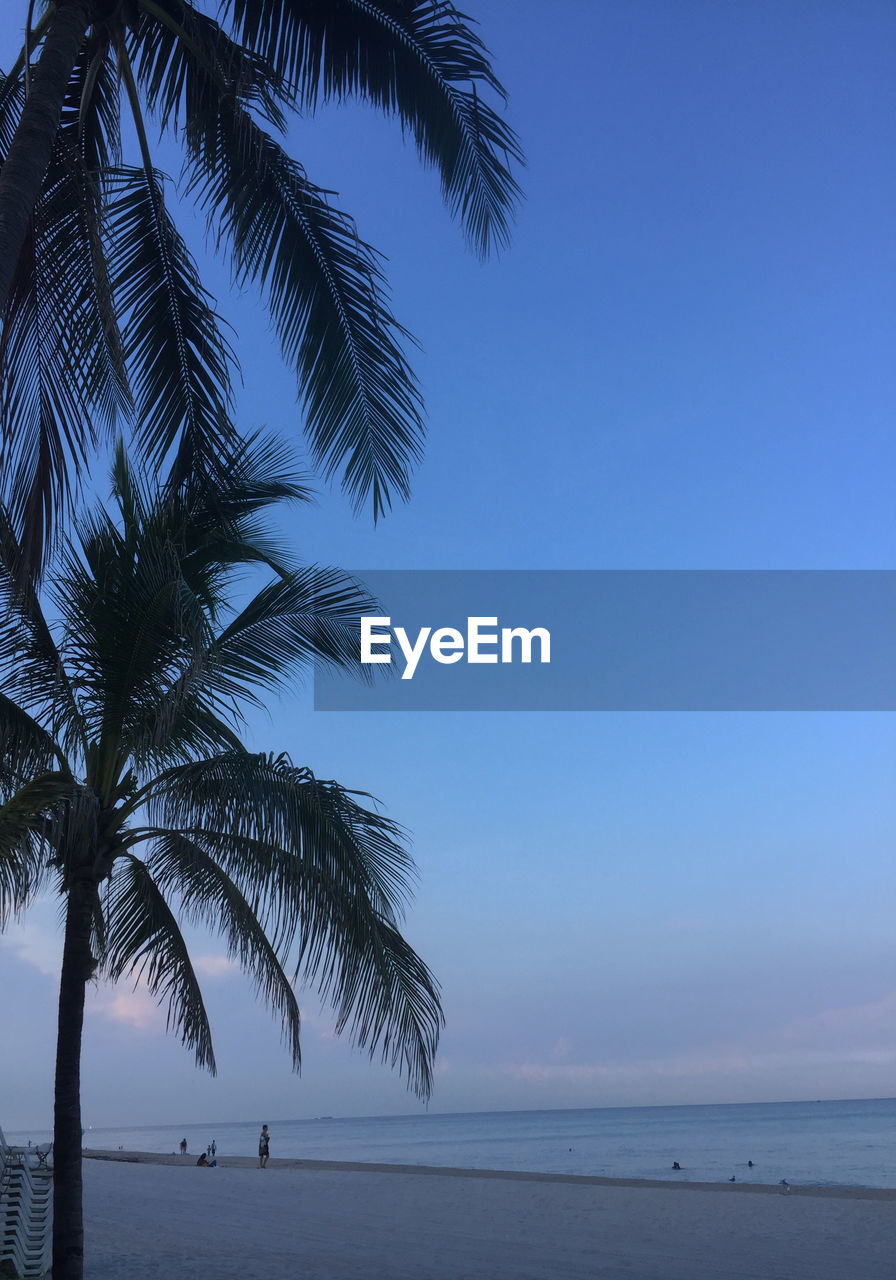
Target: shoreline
column 508, row 1175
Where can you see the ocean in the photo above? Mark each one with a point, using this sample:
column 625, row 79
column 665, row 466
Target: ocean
column 849, row 1144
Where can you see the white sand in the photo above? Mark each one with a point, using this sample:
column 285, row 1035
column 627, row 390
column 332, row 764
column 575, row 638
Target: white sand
column 147, row 1220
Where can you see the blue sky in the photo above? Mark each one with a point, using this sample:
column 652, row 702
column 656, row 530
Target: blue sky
column 683, row 361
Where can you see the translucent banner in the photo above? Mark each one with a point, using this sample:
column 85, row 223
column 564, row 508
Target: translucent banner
column 677, row 640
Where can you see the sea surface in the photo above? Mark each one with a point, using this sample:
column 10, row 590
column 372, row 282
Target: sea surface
column 849, row 1144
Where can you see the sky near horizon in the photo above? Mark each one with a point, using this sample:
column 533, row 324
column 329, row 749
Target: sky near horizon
column 684, row 360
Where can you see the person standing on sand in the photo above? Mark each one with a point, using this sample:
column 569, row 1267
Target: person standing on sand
column 183, row 1146
column 264, row 1147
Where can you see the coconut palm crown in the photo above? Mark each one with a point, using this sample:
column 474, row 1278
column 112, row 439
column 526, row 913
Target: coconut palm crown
column 126, row 788
column 105, row 322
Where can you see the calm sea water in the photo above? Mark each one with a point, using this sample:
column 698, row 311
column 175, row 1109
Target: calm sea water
column 818, row 1143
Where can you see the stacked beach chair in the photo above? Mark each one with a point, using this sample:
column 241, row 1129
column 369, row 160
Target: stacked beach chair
column 26, row 1210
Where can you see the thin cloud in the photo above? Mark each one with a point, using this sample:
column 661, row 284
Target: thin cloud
column 35, row 947
column 872, row 1024
column 561, row 1050
column 215, row 966
column 858, row 1034
column 134, row 1008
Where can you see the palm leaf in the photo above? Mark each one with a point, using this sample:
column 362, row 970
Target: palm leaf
column 325, row 871
column 180, row 364
column 132, row 625
column 309, row 616
column 268, row 799
column 181, row 866
column 327, row 298
column 22, row 868
column 139, row 611
column 388, row 1000
column 27, row 750
column 172, row 35
column 25, row 823
column 221, row 524
column 92, row 109
column 62, row 381
column 12, row 98
column 417, row 59
column 31, row 666
column 143, row 941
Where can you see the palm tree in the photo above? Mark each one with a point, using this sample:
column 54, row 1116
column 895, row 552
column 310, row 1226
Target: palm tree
column 103, row 310
column 124, row 784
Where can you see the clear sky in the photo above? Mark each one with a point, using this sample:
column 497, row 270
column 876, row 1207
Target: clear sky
column 683, row 361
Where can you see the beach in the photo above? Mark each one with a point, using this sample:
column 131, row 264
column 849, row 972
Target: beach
column 149, row 1216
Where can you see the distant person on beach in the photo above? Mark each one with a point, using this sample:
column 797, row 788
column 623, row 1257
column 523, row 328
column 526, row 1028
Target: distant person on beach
column 183, row 1146
column 203, row 1159
column 264, row 1147
column 214, row 1148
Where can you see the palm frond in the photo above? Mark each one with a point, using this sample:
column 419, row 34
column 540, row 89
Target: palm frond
column 180, row 364
column 22, row 869
column 268, row 799
column 139, row 599
column 418, row 59
column 25, row 819
column 144, row 941
column 32, row 671
column 221, row 521
column 327, row 297
column 181, row 867
column 139, row 612
column 309, row 616
column 185, row 724
column 388, row 1000
column 132, row 628
column 327, row 873
column 12, row 99
column 62, row 382
column 27, row 750
column 29, row 808
column 92, row 109
column 170, row 36
column 97, row 356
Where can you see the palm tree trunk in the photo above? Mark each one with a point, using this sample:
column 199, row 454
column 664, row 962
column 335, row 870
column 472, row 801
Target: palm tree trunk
column 77, row 968
column 26, row 162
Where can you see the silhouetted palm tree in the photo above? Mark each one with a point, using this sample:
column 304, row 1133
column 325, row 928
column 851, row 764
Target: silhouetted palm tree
column 125, row 786
column 105, row 313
